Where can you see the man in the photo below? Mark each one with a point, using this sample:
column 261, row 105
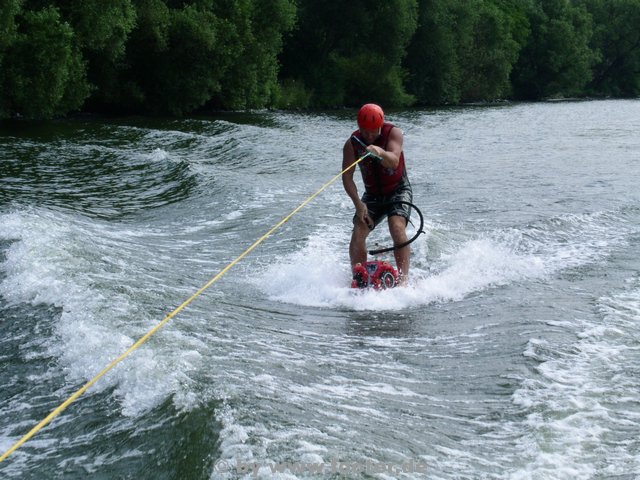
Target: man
column 385, row 180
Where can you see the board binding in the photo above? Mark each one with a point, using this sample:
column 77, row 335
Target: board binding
column 376, row 274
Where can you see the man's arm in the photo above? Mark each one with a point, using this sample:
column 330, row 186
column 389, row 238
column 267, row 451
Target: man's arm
column 390, row 157
column 348, row 159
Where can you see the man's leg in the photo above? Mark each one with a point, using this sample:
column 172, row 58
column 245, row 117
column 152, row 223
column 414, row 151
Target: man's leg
column 398, row 230
column 358, row 245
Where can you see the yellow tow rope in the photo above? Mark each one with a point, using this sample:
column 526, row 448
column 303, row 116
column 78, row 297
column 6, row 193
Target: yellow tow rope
column 151, row 332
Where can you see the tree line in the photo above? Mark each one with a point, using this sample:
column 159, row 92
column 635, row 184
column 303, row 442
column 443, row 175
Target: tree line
column 175, row 57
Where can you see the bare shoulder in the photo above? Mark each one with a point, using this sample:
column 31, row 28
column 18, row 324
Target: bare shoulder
column 396, row 133
column 396, row 139
column 348, row 154
column 348, row 148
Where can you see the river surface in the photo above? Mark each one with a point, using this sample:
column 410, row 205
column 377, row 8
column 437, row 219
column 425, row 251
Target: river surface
column 514, row 353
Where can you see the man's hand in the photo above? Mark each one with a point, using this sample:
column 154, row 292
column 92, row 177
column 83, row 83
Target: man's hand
column 362, row 213
column 376, row 153
column 375, row 150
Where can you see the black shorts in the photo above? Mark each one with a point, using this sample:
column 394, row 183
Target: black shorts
column 381, row 206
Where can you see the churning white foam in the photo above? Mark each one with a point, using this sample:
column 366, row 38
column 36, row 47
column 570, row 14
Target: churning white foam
column 65, row 260
column 581, row 409
column 319, row 274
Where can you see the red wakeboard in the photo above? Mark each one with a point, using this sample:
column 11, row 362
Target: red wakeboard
column 376, row 274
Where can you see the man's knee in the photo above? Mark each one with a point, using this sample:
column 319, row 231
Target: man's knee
column 360, row 231
column 397, row 228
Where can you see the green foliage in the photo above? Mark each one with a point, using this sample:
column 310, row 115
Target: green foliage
column 432, row 58
column 616, row 38
column 218, row 52
column 557, row 60
column 252, row 79
column 488, row 59
column 465, row 51
column 176, row 56
column 8, row 11
column 346, row 53
column 102, row 30
column 8, row 32
column 43, row 72
column 173, row 59
column 147, row 56
column 292, row 95
column 100, row 26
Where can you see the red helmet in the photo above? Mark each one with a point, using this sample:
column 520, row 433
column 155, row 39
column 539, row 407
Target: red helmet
column 370, row 117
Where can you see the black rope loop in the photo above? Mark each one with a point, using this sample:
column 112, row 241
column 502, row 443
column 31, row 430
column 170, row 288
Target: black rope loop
column 412, row 239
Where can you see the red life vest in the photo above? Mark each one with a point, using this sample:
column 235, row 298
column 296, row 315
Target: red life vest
column 377, row 179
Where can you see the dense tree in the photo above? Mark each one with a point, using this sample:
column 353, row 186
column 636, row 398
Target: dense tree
column 100, row 26
column 43, row 71
column 8, row 32
column 8, row 11
column 616, row 38
column 557, row 59
column 347, row 53
column 176, row 56
column 464, row 51
column 147, row 56
column 102, row 30
column 432, row 58
column 175, row 59
column 252, row 79
column 218, row 51
column 488, row 59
